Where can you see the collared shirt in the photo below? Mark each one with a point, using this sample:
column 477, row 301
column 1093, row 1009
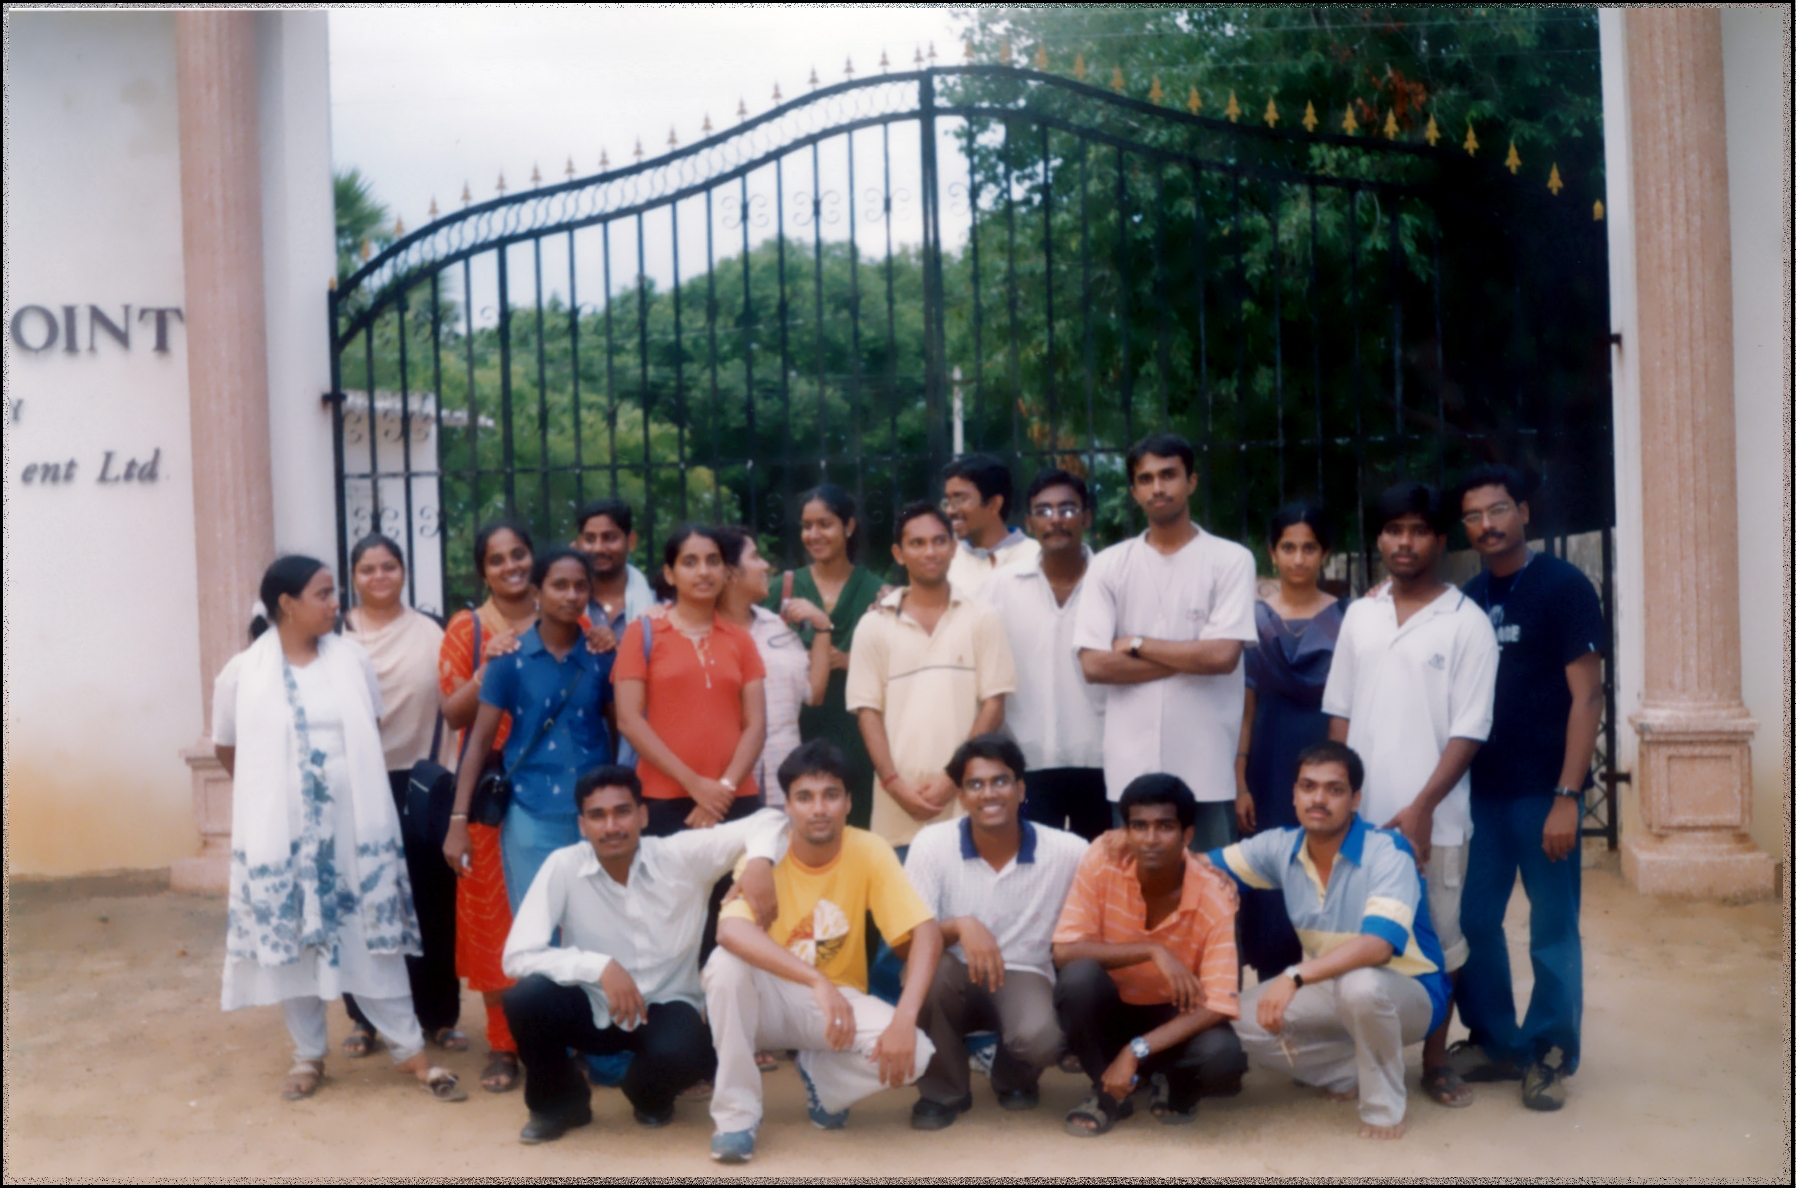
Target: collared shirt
column 928, row 685
column 1405, row 691
column 1054, row 715
column 639, row 596
column 787, row 686
column 1186, row 724
column 1019, row 905
column 652, row 924
column 1373, row 889
column 1106, row 905
column 972, row 565
column 528, row 684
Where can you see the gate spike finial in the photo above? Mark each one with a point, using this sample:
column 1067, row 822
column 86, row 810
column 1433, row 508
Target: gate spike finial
column 1596, row 211
column 367, row 249
column 467, row 195
column 570, row 169
column 1116, row 80
column 1513, row 162
column 706, row 127
column 1194, row 102
column 639, row 148
column 885, row 63
column 1433, row 133
column 1349, row 125
column 848, row 70
column 1271, row 116
column 1041, row 55
column 966, row 44
column 777, row 97
column 1553, row 182
column 742, row 108
column 1155, row 93
column 813, row 79
column 501, row 186
column 433, row 208
column 1233, row 110
column 1309, row 117
column 1079, row 67
column 399, row 223
column 1390, row 124
column 932, row 53
column 1004, row 52
column 1471, row 140
column 673, row 140
column 918, row 60
column 536, row 175
column 604, row 160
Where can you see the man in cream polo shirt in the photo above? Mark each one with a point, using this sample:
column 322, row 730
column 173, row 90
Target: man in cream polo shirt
column 1411, row 690
column 1163, row 618
column 929, row 669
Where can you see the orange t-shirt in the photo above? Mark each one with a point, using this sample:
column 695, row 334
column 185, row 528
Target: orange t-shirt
column 455, row 665
column 1105, row 905
column 693, row 700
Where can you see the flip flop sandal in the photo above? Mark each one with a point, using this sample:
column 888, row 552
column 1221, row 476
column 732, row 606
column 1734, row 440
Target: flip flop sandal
column 1444, row 1087
column 1093, row 1110
column 767, row 1061
column 298, row 1087
column 500, row 1064
column 444, row 1085
column 1160, row 1103
column 448, row 1039
column 359, row 1043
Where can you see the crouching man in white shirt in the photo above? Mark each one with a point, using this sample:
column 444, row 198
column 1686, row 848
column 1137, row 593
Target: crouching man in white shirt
column 624, row 977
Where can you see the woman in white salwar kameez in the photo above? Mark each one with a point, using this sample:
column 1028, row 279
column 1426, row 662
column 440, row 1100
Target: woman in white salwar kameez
column 319, row 900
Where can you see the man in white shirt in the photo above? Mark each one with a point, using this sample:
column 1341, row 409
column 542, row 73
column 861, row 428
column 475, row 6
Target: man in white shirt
column 1055, row 715
column 1411, row 689
column 624, row 977
column 976, row 494
column 995, row 883
column 1163, row 619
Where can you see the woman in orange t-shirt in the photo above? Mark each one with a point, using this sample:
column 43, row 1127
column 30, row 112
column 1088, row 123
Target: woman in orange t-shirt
column 482, row 912
column 691, row 702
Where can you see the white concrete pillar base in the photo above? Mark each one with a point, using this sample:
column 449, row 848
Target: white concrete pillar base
column 1717, row 865
column 209, row 871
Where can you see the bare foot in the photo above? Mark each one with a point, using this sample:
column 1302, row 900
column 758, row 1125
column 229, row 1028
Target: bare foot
column 1344, row 1095
column 1368, row 1131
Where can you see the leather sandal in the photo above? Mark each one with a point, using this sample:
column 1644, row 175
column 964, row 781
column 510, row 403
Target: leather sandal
column 1098, row 1109
column 1444, row 1087
column 501, row 1072
column 303, row 1079
column 444, row 1085
column 448, row 1039
column 360, row 1042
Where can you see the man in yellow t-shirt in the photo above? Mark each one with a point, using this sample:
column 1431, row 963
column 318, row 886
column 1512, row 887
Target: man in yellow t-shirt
column 803, row 982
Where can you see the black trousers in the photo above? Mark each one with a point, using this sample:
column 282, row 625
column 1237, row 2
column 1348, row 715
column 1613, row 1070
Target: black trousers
column 1070, row 798
column 668, row 817
column 672, row 1048
column 436, row 991
column 1099, row 1024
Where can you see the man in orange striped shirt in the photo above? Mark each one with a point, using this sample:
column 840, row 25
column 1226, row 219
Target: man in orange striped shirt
column 1148, row 973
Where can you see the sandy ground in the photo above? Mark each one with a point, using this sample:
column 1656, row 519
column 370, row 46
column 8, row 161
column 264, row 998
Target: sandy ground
column 120, row 1064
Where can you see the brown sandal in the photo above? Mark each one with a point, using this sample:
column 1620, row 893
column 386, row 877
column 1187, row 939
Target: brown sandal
column 501, row 1072
column 448, row 1039
column 303, row 1079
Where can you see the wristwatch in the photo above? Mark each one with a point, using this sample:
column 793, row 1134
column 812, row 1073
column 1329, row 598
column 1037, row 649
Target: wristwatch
column 1135, row 647
column 1297, row 978
column 1569, row 793
column 1138, row 1045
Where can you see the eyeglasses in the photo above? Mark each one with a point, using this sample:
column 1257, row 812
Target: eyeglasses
column 1494, row 512
column 1056, row 511
column 950, row 502
column 999, row 784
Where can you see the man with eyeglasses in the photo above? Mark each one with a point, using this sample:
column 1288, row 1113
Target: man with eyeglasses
column 1528, row 784
column 995, row 883
column 1055, row 715
column 977, row 493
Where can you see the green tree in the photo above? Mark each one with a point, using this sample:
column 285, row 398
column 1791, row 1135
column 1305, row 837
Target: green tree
column 361, row 221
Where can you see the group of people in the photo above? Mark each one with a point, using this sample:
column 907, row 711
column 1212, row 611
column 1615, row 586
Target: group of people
column 1030, row 807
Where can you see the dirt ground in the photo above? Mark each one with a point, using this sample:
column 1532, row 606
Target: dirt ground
column 119, row 1064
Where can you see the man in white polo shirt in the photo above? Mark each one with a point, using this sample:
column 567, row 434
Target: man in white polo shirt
column 1055, row 715
column 976, row 494
column 1411, row 690
column 1163, row 618
column 995, row 883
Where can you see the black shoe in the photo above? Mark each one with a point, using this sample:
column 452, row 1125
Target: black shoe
column 1019, row 1099
column 654, row 1121
column 546, row 1128
column 933, row 1115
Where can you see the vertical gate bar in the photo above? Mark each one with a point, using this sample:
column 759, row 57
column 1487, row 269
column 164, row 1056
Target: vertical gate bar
column 1091, row 351
column 336, row 402
column 1353, row 387
column 885, row 133
column 610, row 363
column 373, row 428
column 644, row 401
column 1395, row 251
column 715, row 435
column 542, row 393
column 854, row 333
column 750, row 429
column 436, row 387
column 785, row 316
column 1440, row 368
column 1163, row 313
column 934, row 337
column 473, row 434
column 679, row 358
column 817, row 270
column 1200, row 283
column 1311, row 298
column 1122, row 296
column 1050, row 390
column 975, row 191
column 1243, row 482
column 1278, row 341
column 508, row 459
column 573, row 354
column 1010, row 300
column 405, row 452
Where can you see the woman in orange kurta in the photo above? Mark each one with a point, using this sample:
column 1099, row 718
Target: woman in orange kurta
column 482, row 912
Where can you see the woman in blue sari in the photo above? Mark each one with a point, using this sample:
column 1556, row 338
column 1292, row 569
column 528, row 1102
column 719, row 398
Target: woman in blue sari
column 1298, row 626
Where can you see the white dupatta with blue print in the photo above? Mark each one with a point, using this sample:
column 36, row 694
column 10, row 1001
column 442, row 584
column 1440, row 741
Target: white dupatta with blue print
column 291, row 886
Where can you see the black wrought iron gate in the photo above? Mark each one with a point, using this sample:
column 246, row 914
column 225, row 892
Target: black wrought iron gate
column 851, row 284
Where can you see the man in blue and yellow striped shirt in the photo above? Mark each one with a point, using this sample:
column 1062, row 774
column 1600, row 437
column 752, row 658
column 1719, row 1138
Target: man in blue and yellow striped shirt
column 1372, row 978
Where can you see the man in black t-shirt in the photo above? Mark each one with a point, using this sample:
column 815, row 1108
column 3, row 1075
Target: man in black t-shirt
column 1528, row 783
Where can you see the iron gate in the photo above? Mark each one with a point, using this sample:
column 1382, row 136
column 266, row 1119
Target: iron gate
column 851, row 284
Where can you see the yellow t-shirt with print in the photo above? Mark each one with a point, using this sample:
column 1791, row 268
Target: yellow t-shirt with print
column 823, row 909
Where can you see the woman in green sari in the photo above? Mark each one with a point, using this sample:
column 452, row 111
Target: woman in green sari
column 845, row 591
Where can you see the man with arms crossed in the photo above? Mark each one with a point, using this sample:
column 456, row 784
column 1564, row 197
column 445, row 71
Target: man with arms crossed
column 1370, row 980
column 624, row 975
column 976, row 494
column 995, row 883
column 1162, row 621
column 1148, row 973
column 1055, row 715
column 929, row 669
column 1410, row 691
column 802, row 982
column 1528, row 787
